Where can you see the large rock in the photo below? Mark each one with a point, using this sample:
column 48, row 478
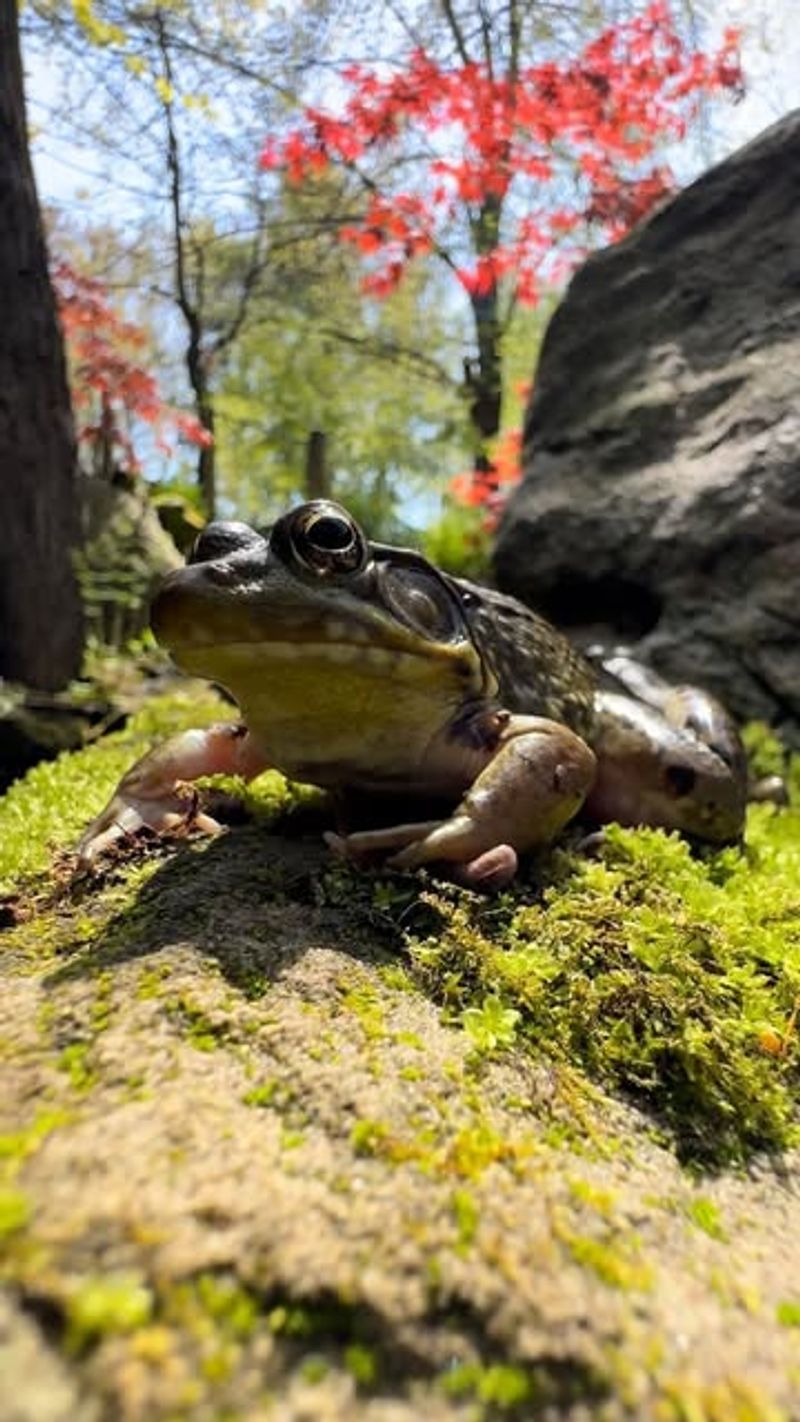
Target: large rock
column 661, row 498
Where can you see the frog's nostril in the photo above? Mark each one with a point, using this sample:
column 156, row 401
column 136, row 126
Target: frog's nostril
column 680, row 779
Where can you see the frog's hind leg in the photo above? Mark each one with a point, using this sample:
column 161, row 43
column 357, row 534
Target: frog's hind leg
column 655, row 769
column 157, row 791
column 689, row 708
column 534, row 781
column 684, row 707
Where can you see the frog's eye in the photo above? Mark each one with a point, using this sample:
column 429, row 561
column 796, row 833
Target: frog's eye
column 328, row 540
column 420, row 600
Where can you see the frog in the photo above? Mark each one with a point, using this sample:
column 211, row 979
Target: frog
column 362, row 668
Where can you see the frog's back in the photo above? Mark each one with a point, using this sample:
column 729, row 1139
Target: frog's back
column 538, row 671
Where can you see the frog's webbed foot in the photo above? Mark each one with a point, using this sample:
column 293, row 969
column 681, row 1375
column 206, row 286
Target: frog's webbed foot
column 156, row 792
column 535, row 781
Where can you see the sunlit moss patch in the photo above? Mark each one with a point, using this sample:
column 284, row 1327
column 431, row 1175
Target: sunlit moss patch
column 670, row 977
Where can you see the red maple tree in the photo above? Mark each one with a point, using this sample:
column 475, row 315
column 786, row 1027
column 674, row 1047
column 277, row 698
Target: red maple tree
column 111, row 389
column 509, row 172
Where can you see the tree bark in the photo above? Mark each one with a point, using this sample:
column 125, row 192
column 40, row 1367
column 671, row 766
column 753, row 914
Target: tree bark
column 484, row 377
column 41, row 631
column 317, row 475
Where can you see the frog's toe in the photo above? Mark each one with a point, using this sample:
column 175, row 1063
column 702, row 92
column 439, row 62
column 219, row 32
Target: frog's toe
column 489, row 872
column 126, row 815
column 364, row 845
column 770, row 789
column 592, row 845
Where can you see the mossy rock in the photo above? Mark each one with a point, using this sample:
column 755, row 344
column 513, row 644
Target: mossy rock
column 285, row 1141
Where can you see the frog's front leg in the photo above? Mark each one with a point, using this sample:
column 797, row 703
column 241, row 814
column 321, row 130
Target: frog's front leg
column 157, row 791
column 534, row 781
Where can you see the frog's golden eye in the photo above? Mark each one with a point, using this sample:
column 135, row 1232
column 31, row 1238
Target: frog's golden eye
column 421, row 601
column 328, row 540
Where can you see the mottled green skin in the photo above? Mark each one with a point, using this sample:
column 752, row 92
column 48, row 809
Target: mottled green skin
column 538, row 671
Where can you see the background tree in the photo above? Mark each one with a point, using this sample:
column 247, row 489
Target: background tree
column 117, row 397
column 40, row 615
column 379, row 378
column 165, row 94
column 505, row 155
column 239, row 273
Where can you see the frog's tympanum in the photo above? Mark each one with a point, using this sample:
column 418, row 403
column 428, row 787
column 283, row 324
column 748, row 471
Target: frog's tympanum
column 363, row 669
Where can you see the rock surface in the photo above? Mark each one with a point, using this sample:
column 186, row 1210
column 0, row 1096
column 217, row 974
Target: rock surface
column 661, row 500
column 250, row 1172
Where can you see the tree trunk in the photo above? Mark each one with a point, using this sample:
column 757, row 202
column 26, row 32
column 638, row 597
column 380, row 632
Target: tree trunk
column 484, row 377
column 41, row 633
column 317, row 483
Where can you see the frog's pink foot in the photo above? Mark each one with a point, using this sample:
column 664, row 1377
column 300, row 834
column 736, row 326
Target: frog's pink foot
column 155, row 794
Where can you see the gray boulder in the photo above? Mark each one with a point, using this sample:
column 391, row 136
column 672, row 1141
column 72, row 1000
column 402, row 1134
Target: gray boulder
column 660, row 504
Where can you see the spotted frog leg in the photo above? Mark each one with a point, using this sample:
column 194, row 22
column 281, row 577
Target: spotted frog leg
column 668, row 756
column 156, row 792
column 536, row 779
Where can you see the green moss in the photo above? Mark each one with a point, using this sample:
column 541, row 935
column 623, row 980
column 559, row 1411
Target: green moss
column 107, row 1304
column 361, row 1363
column 214, row 1309
column 733, row 1400
column 203, row 1032
column 467, row 1217
column 228, row 1303
column 501, row 1385
column 360, row 997
column 15, row 1210
column 17, row 1146
column 151, row 980
column 370, row 1138
column 523, row 1390
column 660, row 974
column 291, row 1139
column 491, row 1026
column 74, row 1061
column 595, row 1198
column 788, row 1313
column 314, row 1369
column 765, row 754
column 616, row 1263
column 397, row 978
column 264, row 1095
column 704, row 1213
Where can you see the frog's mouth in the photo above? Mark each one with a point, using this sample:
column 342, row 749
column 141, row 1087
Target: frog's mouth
column 232, row 645
column 207, row 629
